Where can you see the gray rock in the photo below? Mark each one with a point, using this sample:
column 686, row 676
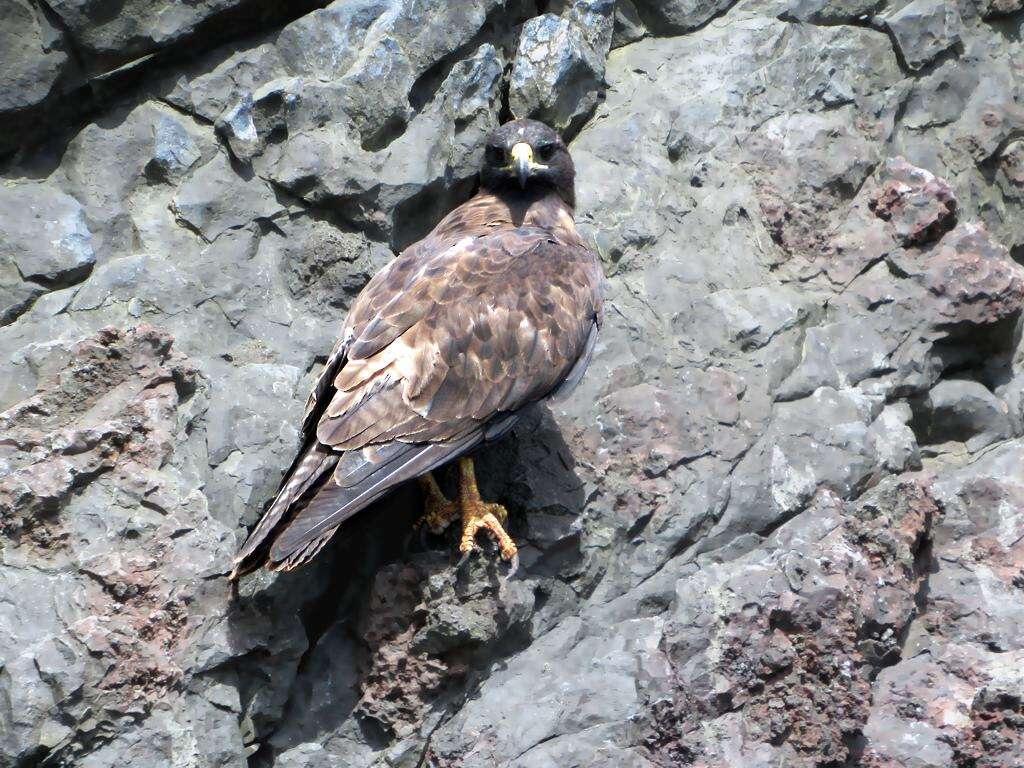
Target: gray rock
column 326, row 43
column 43, row 233
column 674, row 17
column 215, row 89
column 214, row 199
column 328, row 267
column 830, row 11
column 939, row 98
column 628, row 27
column 963, row 411
column 836, row 355
column 106, row 40
column 240, row 423
column 596, row 20
column 105, row 169
column 558, row 71
column 778, row 519
column 385, row 189
column 376, row 52
column 16, row 295
column 33, row 57
column 174, row 150
column 923, row 29
column 991, row 115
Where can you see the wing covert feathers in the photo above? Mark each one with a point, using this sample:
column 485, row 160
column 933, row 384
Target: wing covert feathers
column 440, row 351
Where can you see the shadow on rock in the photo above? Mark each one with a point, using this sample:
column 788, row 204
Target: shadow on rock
column 390, row 626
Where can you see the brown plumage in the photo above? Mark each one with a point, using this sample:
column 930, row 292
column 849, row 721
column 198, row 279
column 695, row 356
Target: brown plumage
column 497, row 308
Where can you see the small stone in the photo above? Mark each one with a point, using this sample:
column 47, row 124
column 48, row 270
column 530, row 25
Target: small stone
column 923, row 29
column 43, row 231
column 237, row 127
column 559, row 66
column 919, row 205
column 174, row 151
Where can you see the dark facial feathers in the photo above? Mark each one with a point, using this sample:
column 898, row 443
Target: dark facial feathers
column 549, row 165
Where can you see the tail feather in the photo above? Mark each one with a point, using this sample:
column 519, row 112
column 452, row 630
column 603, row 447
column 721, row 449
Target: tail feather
column 325, row 488
column 314, row 463
column 333, row 504
column 305, row 554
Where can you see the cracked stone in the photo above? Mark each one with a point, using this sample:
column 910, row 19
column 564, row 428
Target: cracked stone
column 923, row 29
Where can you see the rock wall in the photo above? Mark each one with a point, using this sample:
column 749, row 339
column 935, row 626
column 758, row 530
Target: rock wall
column 780, row 523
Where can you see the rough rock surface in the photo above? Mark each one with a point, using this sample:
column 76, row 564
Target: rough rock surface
column 559, row 65
column 780, row 522
column 923, row 29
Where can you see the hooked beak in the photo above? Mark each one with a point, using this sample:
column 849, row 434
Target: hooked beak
column 522, row 161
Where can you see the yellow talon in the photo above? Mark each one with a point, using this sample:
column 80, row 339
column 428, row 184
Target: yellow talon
column 477, row 514
column 438, row 511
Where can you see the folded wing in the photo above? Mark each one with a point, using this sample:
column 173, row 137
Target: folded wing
column 440, row 351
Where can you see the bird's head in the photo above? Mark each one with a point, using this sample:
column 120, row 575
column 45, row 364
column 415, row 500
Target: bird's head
column 527, row 155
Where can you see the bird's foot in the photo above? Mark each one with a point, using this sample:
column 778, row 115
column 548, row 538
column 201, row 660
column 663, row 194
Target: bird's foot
column 478, row 515
column 438, row 510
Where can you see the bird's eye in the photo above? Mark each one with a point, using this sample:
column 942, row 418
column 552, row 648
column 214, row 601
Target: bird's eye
column 545, row 152
column 496, row 155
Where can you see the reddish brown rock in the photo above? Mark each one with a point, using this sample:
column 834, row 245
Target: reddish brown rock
column 917, row 204
column 398, row 685
column 797, row 636
column 107, row 410
column 969, row 277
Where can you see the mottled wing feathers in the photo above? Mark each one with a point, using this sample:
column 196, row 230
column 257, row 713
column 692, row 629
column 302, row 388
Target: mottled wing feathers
column 575, row 374
column 439, row 352
column 504, row 318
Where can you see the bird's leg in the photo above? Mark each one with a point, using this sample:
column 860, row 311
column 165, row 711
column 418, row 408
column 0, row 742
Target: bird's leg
column 477, row 514
column 438, row 511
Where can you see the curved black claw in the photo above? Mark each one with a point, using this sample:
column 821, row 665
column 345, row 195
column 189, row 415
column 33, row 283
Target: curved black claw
column 513, row 566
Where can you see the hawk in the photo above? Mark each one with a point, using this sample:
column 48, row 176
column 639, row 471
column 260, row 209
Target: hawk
column 496, row 309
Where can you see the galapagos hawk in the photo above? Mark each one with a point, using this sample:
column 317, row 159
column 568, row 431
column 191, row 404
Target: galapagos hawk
column 497, row 308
